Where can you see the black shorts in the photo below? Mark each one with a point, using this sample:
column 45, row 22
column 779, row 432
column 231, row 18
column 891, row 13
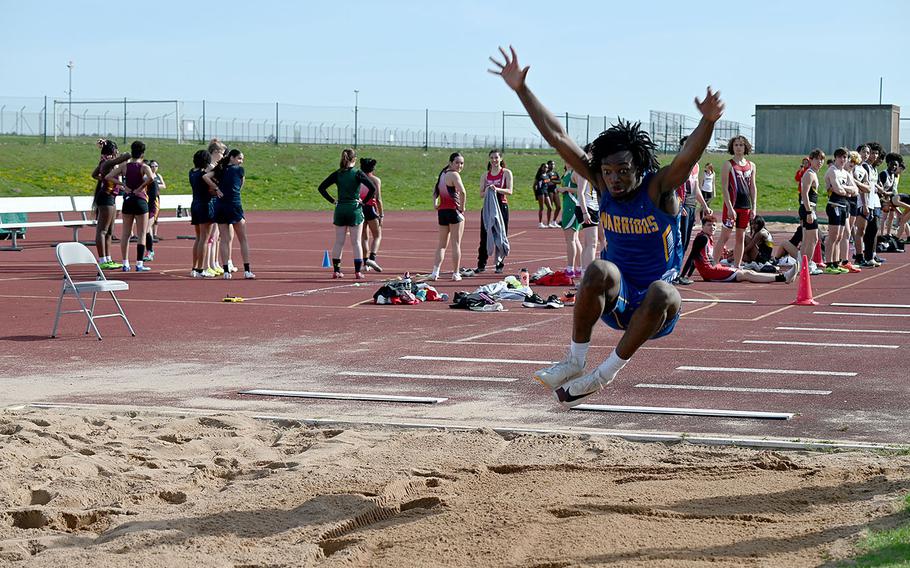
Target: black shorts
column 202, row 213
column 133, row 205
column 802, row 217
column 853, row 206
column 797, row 237
column 449, row 217
column 594, row 215
column 228, row 213
column 105, row 199
column 370, row 213
column 837, row 216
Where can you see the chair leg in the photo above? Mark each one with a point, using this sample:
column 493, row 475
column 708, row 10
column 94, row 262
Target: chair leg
column 91, row 312
column 59, row 305
column 123, row 314
column 88, row 314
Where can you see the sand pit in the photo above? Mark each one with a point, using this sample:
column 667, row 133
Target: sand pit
column 140, row 489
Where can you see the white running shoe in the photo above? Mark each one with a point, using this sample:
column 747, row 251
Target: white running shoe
column 555, row 225
column 456, row 277
column 249, row 275
column 231, row 267
column 541, row 225
column 194, row 274
column 226, row 276
column 555, row 375
column 209, row 273
column 790, row 275
column 574, row 392
column 370, row 263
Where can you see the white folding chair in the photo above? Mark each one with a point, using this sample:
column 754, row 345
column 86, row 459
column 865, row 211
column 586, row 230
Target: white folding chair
column 76, row 253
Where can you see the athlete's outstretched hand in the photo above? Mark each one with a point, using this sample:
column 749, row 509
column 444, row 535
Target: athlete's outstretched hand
column 712, row 108
column 510, row 71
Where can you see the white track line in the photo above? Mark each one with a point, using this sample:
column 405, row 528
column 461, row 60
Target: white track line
column 475, row 360
column 563, row 345
column 686, row 411
column 852, row 305
column 814, row 344
column 707, row 301
column 431, row 377
column 784, row 328
column 862, row 314
column 767, row 371
column 730, row 389
column 345, row 396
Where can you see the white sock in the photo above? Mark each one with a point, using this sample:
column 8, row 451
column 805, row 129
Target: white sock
column 125, row 262
column 138, row 264
column 435, row 271
column 610, row 367
column 579, row 351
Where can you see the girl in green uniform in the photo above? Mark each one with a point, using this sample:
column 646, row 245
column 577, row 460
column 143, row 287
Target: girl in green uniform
column 569, row 222
column 348, row 216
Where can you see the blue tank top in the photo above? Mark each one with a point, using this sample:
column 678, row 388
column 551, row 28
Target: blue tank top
column 230, row 184
column 201, row 193
column 643, row 241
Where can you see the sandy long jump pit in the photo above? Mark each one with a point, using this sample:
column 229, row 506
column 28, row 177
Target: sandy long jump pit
column 95, row 488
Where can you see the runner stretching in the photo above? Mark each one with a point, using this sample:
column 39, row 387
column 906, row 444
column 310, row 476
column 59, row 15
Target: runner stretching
column 629, row 287
column 702, row 259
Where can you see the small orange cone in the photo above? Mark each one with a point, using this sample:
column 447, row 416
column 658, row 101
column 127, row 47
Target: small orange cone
column 817, row 255
column 804, row 293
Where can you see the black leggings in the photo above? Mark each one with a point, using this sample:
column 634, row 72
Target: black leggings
column 482, row 256
column 686, row 223
column 870, row 234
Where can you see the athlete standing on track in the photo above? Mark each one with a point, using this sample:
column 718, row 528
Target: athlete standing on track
column 570, row 223
column 497, row 178
column 541, row 180
column 202, row 214
column 837, row 183
column 348, row 216
column 372, row 215
column 808, row 198
column 449, row 199
column 552, row 184
column 104, row 203
column 229, row 211
column 213, row 250
column 154, row 204
column 137, row 176
column 738, row 182
column 629, row 287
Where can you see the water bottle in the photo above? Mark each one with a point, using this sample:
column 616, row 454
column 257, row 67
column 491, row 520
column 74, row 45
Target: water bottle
column 524, row 277
column 179, row 210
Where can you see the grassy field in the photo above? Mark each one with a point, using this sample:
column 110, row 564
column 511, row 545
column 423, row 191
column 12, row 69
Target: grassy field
column 285, row 177
column 886, row 548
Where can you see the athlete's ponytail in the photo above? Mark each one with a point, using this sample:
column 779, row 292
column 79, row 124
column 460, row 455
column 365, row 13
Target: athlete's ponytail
column 347, row 156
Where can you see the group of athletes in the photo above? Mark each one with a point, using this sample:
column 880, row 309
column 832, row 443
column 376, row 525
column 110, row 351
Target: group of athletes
column 216, row 212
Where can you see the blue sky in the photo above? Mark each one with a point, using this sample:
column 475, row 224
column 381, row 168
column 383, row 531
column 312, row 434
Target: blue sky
column 613, row 58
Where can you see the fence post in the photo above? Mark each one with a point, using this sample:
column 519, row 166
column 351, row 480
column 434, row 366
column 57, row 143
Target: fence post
column 567, row 123
column 45, row 119
column 124, row 121
column 588, row 129
column 276, row 124
column 503, row 131
column 426, row 130
column 203, row 120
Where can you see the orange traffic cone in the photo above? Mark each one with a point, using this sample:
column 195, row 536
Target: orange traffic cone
column 817, row 255
column 804, row 293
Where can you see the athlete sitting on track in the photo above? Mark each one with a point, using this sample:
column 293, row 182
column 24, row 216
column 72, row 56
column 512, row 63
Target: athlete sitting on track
column 702, row 259
column 629, row 288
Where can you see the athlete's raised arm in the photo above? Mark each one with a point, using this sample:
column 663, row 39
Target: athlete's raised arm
column 673, row 175
column 550, row 128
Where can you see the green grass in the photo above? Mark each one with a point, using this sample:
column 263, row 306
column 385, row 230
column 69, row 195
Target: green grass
column 886, row 548
column 285, row 177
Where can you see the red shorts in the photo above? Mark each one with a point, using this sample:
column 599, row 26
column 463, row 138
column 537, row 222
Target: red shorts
column 717, row 273
column 740, row 221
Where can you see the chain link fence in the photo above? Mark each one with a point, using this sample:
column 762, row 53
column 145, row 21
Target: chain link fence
column 199, row 121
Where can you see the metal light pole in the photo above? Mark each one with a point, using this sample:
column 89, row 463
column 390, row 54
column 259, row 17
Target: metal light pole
column 69, row 118
column 356, row 100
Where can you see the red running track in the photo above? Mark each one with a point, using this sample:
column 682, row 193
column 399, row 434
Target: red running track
column 300, row 330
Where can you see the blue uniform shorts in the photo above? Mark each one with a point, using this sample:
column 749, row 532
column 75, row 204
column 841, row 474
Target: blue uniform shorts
column 630, row 297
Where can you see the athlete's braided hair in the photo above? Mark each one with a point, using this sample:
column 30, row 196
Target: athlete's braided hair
column 625, row 136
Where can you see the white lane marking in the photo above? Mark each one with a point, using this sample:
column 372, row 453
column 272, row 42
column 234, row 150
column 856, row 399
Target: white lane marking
column 784, row 328
column 346, row 396
column 853, row 305
column 506, row 330
column 768, row 371
column 815, row 344
column 730, row 389
column 507, row 344
column 431, row 377
column 862, row 314
column 708, row 301
column 686, row 411
column 475, row 360
column 301, row 293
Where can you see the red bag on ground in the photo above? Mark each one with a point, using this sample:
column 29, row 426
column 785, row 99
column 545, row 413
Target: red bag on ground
column 558, row 278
